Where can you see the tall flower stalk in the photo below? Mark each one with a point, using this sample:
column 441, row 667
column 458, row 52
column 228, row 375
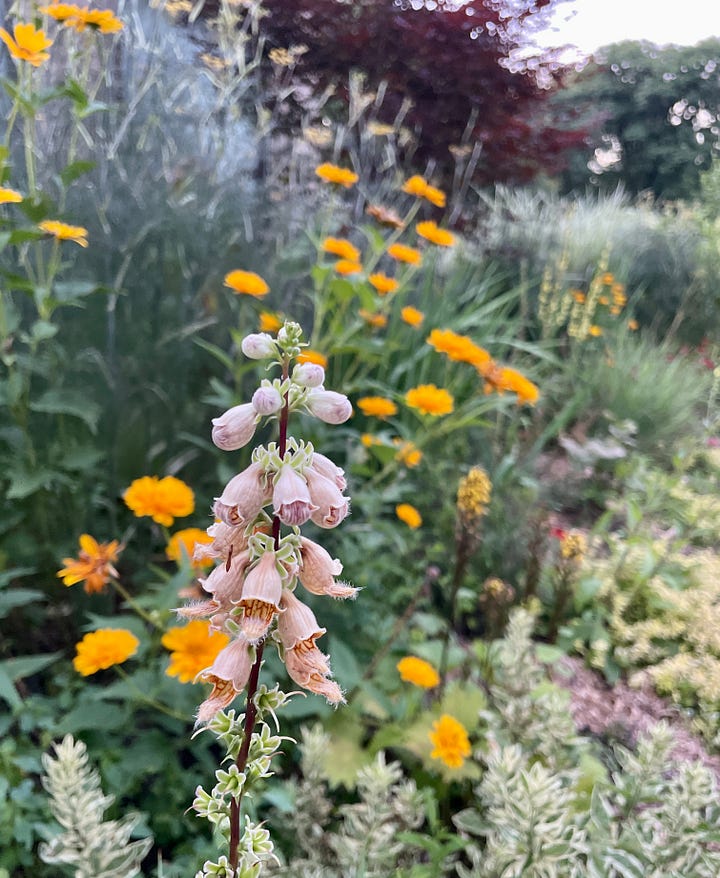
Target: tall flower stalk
column 252, row 591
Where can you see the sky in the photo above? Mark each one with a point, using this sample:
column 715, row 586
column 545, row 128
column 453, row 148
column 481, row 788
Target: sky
column 589, row 24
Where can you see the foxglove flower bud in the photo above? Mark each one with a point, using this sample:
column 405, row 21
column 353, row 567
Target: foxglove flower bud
column 319, row 569
column 235, row 427
column 329, row 406
column 266, row 401
column 291, row 498
column 327, row 468
column 260, row 598
column 332, row 507
column 308, row 375
column 243, row 497
column 258, row 346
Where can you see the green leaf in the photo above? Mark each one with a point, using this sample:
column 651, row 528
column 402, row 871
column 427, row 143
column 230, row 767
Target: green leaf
column 68, row 291
column 22, row 666
column 470, row 821
column 18, row 597
column 345, row 666
column 63, row 401
column 92, row 716
column 84, row 457
column 9, row 576
column 8, row 692
column 75, row 170
column 23, row 483
column 42, row 330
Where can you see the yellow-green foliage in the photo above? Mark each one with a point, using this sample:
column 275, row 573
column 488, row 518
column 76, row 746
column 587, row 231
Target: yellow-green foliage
column 677, row 645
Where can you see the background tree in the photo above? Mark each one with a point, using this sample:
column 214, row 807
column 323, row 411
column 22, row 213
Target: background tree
column 653, row 115
column 456, row 65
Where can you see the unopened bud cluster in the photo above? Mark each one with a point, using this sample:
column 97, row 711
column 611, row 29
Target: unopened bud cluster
column 254, row 844
column 252, row 591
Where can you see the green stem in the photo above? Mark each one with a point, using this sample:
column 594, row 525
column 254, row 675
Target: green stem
column 121, row 590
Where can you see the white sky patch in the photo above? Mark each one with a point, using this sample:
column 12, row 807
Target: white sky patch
column 589, row 24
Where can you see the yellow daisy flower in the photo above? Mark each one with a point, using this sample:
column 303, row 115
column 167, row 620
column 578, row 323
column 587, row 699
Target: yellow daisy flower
column 104, row 648
column 418, row 672
column 64, row 232
column 450, row 741
column 430, row 400
column 408, row 515
column 246, row 283
column 193, row 648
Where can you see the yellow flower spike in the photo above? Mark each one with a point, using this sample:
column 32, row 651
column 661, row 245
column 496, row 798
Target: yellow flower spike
column 376, row 407
column 633, row 325
column 64, row 232
column 409, row 515
column 336, row 175
column 246, row 283
column 383, row 284
column 163, row 500
column 93, row 566
column 193, row 647
column 29, row 44
column 595, row 330
column 9, row 196
column 403, row 253
column 418, row 672
column 430, row 400
column 104, row 648
column 431, row 232
column 450, row 741
column 412, row 316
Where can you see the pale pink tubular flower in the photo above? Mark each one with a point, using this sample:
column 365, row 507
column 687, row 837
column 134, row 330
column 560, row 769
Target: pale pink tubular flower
column 308, row 667
column 235, row 427
column 297, row 622
column 329, row 406
column 229, row 675
column 327, row 468
column 226, row 585
column 319, row 569
column 260, row 599
column 308, row 375
column 332, row 507
column 266, row 401
column 291, row 498
column 243, row 497
column 227, row 539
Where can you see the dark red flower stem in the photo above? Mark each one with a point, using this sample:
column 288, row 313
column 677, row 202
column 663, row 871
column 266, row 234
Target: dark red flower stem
column 250, row 707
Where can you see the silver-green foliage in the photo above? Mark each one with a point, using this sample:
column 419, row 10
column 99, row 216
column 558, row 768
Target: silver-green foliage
column 653, row 818
column 360, row 840
column 90, row 846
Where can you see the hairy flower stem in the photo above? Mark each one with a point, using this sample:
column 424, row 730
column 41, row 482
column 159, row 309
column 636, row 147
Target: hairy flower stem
column 250, row 708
